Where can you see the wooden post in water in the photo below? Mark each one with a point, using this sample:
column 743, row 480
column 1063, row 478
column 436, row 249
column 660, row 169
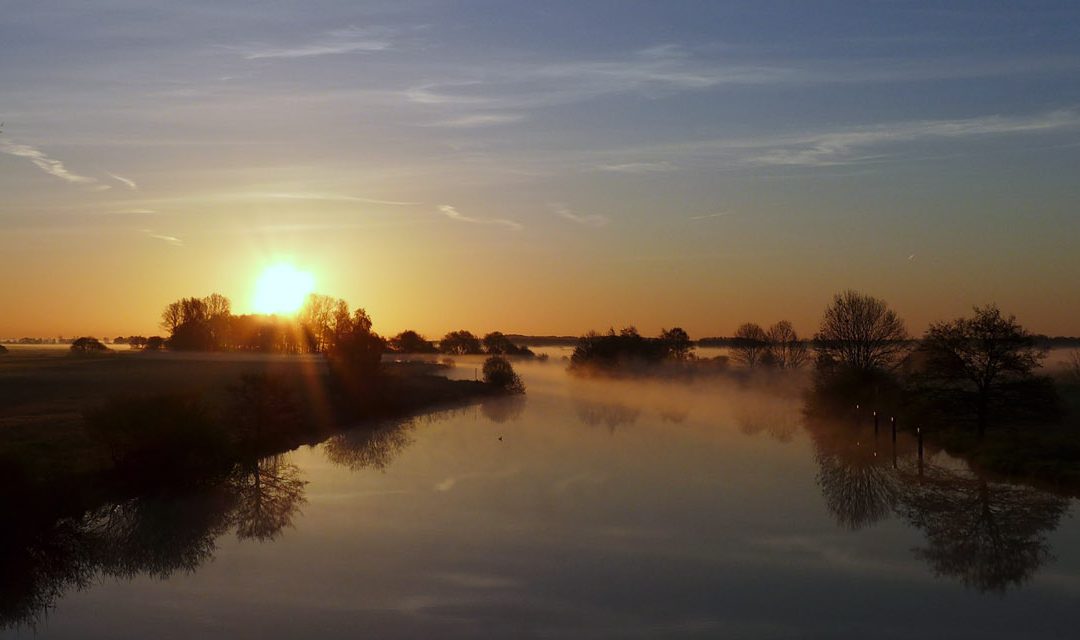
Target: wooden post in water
column 892, row 421
column 918, row 435
column 875, row 424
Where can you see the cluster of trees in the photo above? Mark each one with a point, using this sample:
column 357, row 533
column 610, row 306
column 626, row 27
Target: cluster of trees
column 458, row 343
column 983, row 364
column 629, row 348
column 323, row 325
column 153, row 343
column 778, row 347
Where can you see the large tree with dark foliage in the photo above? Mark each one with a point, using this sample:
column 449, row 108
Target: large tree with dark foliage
column 987, row 360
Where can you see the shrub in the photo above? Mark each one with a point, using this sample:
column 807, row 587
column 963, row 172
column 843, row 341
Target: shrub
column 499, row 373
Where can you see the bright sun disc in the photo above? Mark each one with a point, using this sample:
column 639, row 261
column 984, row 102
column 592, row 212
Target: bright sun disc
column 282, row 289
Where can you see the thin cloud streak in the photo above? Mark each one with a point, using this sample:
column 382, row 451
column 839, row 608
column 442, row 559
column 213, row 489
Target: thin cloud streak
column 479, row 120
column 172, row 241
column 847, row 146
column 638, row 167
column 336, row 42
column 128, row 182
column 708, row 216
column 591, row 220
column 451, row 212
column 49, row 165
column 330, row 197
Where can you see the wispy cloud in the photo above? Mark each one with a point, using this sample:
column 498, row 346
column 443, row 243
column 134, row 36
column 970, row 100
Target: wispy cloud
column 638, row 167
column 451, row 212
column 132, row 212
column 847, row 146
column 479, row 120
column 329, row 197
column 128, row 182
column 172, row 241
column 707, row 216
column 590, row 220
column 336, row 42
column 52, row 166
column 851, row 145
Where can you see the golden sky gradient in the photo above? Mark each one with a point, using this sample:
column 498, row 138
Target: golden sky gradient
column 493, row 169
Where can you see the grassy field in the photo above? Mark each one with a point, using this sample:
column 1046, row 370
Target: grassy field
column 65, row 417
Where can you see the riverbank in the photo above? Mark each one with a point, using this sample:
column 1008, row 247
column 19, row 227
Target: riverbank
column 103, row 423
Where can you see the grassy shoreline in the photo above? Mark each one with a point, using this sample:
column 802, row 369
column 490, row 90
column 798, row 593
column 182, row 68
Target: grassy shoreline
column 100, row 425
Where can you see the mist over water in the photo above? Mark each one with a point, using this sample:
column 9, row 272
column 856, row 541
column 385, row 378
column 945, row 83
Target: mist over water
column 610, row 508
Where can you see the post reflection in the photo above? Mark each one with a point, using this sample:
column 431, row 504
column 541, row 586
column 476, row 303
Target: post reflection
column 991, row 536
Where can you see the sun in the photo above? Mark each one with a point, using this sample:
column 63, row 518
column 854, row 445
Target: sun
column 282, row 289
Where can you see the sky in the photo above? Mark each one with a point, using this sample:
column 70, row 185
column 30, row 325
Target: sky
column 540, row 167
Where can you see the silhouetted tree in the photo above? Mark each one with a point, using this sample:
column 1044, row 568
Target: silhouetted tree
column 316, row 318
column 861, row 334
column 784, row 348
column 3, row 349
column 136, row 342
column 411, row 342
column 750, row 344
column 460, row 343
column 171, row 317
column 154, row 343
column 677, row 342
column 499, row 373
column 495, row 343
column 612, row 351
column 984, row 357
column 87, row 345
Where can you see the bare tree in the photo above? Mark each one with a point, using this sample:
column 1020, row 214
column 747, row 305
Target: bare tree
column 751, row 344
column 217, row 305
column 171, row 317
column 860, row 333
column 784, row 347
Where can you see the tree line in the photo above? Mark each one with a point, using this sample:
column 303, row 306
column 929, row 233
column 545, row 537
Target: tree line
column 983, row 364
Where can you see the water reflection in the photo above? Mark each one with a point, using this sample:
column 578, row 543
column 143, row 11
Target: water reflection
column 596, row 413
column 991, row 536
column 369, row 448
column 859, row 484
column 269, row 494
column 503, row 409
column 43, row 556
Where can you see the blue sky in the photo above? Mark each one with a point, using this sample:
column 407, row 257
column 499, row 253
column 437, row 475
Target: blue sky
column 698, row 163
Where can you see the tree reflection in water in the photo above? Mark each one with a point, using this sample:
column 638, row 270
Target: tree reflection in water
column 989, row 535
column 369, row 448
column 503, row 409
column 269, row 493
column 607, row 414
column 859, row 484
column 43, row 556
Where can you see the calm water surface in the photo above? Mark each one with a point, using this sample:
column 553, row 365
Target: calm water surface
column 589, row 510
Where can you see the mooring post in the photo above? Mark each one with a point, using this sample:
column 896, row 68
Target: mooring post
column 892, row 421
column 875, row 424
column 918, row 434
